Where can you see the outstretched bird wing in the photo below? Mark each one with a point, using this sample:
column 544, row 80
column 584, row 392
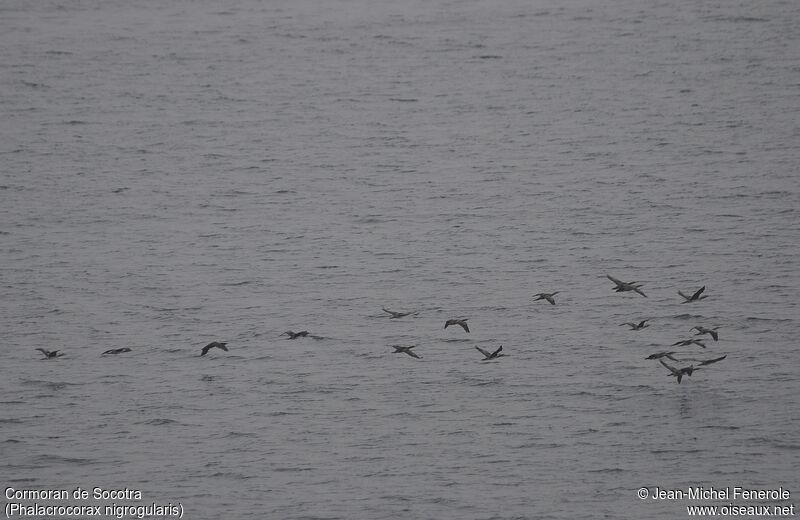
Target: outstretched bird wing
column 485, row 353
column 709, row 361
column 499, row 349
column 698, row 293
column 212, row 345
column 675, row 371
column 463, row 323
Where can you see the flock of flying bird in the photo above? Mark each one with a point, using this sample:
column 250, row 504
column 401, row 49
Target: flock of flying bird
column 678, row 373
column 619, row 286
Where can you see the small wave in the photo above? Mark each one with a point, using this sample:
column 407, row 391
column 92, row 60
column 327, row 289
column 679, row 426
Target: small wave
column 266, row 356
column 676, row 450
column 50, row 385
column 720, row 427
column 738, row 19
column 240, row 434
column 756, row 318
column 159, row 422
column 687, row 316
column 486, row 383
column 58, row 459
column 371, row 220
column 782, row 446
column 230, row 474
column 280, row 414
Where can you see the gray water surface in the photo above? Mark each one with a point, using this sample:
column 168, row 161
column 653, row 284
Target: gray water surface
column 175, row 173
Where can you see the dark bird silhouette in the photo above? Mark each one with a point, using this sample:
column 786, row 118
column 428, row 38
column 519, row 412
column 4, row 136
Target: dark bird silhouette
column 295, row 335
column 678, row 372
column 687, row 342
column 659, row 355
column 213, row 344
column 397, row 314
column 116, row 351
column 636, row 326
column 491, row 355
column 546, row 296
column 50, row 354
column 695, row 297
column 703, row 330
column 405, row 350
column 462, row 322
column 626, row 286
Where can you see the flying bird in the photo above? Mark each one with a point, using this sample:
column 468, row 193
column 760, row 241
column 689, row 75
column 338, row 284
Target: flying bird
column 626, row 286
column 703, row 330
column 636, row 326
column 462, row 322
column 295, row 335
column 695, row 297
column 397, row 314
column 491, row 355
column 678, row 372
column 546, row 296
column 213, row 344
column 405, row 350
column 50, row 354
